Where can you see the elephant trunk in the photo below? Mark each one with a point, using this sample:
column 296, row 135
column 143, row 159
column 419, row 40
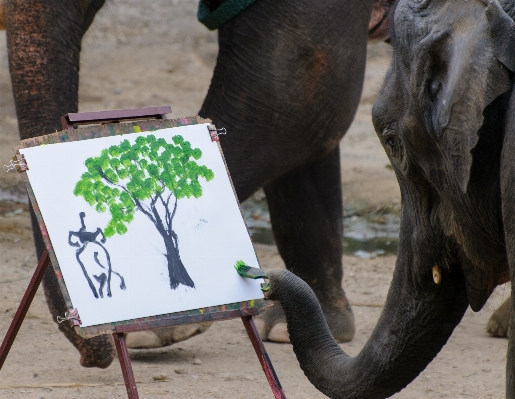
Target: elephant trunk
column 408, row 335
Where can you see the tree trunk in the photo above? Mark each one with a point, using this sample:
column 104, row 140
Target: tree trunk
column 176, row 270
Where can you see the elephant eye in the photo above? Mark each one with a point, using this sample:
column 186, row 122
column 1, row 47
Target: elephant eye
column 389, row 138
column 433, row 88
column 390, row 141
column 393, row 145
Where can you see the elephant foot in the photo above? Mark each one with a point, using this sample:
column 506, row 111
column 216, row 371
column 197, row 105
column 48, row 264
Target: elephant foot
column 97, row 352
column 271, row 324
column 165, row 336
column 499, row 323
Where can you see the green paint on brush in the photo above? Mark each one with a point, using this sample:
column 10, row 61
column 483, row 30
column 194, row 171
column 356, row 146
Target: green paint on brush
column 249, row 272
column 265, row 287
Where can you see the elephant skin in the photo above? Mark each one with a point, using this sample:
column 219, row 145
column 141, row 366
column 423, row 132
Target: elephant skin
column 446, row 119
column 286, row 86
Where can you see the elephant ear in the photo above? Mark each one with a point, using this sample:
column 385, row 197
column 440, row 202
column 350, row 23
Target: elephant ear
column 480, row 69
column 502, row 31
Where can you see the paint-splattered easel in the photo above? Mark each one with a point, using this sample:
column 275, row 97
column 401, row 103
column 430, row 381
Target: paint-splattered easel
column 147, row 118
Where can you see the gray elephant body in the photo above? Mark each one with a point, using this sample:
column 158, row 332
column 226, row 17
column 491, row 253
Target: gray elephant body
column 446, row 118
column 286, row 86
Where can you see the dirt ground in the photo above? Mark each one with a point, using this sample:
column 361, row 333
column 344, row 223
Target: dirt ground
column 156, row 53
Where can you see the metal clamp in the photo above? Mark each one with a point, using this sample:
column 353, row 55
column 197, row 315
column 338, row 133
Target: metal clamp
column 73, row 316
column 17, row 163
column 214, row 132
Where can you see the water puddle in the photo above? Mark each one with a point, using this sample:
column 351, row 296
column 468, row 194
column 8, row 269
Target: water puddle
column 370, row 248
column 368, row 232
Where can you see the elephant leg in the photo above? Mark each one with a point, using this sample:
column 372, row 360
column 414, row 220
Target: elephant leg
column 165, row 336
column 510, row 358
column 109, row 293
column 106, row 278
column 307, row 217
column 88, row 279
column 499, row 323
column 102, row 279
column 508, row 214
column 94, row 352
column 43, row 42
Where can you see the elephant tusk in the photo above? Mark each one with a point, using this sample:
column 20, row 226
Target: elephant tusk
column 437, row 275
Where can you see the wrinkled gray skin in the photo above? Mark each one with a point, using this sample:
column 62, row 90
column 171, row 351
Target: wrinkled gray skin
column 286, row 86
column 446, row 118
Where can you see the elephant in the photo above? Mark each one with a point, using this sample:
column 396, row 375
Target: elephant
column 286, row 86
column 82, row 239
column 445, row 116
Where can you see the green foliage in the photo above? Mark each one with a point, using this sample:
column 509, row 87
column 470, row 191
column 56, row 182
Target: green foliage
column 124, row 176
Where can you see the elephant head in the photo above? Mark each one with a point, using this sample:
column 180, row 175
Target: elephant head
column 442, row 117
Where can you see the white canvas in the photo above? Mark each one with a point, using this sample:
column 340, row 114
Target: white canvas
column 210, row 230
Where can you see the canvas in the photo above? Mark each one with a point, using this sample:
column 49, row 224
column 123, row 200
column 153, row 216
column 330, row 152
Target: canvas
column 142, row 224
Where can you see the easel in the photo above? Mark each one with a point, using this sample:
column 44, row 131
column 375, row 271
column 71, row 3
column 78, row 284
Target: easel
column 69, row 122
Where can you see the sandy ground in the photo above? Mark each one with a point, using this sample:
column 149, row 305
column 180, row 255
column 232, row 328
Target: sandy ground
column 157, row 54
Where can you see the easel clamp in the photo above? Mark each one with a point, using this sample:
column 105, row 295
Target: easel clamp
column 214, row 132
column 73, row 316
column 17, row 163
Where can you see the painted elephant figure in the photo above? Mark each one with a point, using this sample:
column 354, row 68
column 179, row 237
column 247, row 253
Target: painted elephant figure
column 286, row 86
column 446, row 119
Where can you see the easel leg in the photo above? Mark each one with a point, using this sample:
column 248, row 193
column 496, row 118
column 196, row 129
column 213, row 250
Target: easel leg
column 266, row 364
column 23, row 307
column 125, row 364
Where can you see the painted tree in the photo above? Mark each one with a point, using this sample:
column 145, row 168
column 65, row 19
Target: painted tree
column 149, row 176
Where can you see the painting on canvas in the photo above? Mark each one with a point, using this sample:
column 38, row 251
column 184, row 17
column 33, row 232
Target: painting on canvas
column 142, row 224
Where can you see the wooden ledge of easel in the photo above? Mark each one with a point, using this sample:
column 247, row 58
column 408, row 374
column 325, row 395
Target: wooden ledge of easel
column 187, row 319
column 213, row 313
column 70, row 121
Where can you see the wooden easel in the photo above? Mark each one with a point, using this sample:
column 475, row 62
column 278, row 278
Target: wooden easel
column 71, row 121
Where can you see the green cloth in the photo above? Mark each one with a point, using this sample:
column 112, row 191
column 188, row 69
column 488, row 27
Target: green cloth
column 225, row 12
